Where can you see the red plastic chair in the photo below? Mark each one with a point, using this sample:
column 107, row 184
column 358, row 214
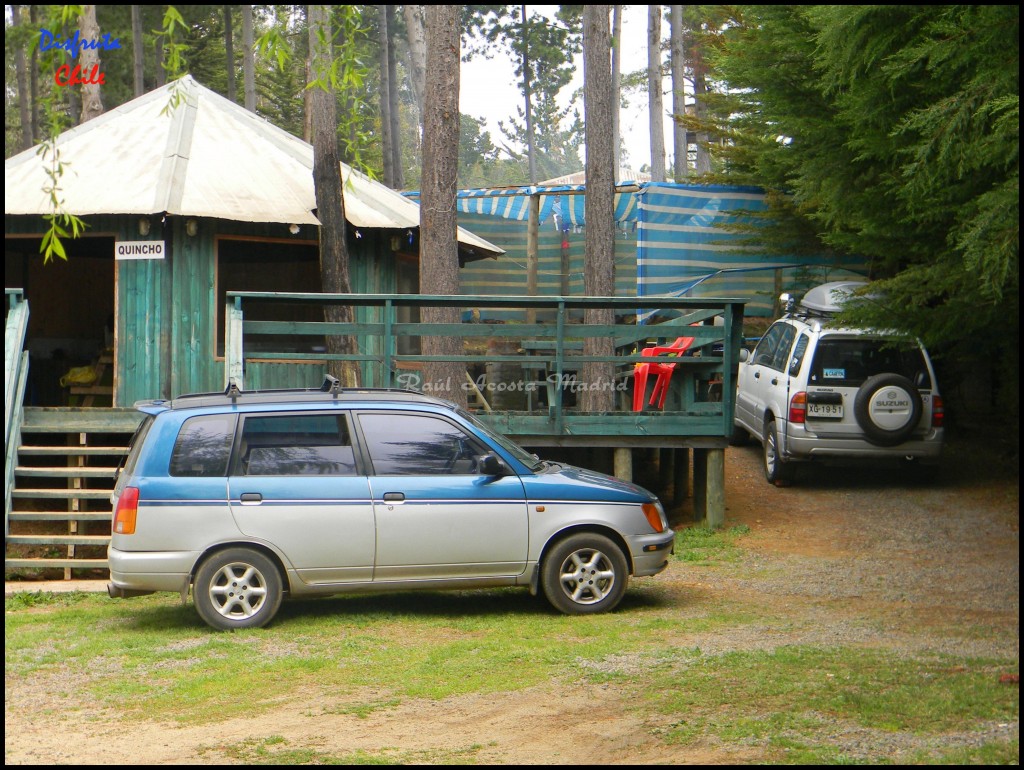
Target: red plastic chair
column 642, row 371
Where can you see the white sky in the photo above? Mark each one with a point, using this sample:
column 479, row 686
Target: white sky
column 489, row 89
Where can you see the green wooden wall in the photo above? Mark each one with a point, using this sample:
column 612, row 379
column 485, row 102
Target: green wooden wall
column 166, row 309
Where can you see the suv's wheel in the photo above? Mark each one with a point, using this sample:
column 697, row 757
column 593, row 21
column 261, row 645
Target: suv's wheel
column 887, row 408
column 776, row 470
column 237, row 588
column 584, row 573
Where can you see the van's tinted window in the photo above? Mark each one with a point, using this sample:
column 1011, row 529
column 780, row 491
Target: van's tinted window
column 203, row 446
column 137, row 442
column 415, row 445
column 296, row 445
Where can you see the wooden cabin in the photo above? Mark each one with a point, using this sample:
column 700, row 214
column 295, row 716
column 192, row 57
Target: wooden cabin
column 183, row 204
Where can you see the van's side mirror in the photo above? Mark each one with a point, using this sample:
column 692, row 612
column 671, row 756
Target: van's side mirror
column 492, row 465
column 744, row 355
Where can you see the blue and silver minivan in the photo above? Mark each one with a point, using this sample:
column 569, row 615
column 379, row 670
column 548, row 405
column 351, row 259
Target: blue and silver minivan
column 248, row 497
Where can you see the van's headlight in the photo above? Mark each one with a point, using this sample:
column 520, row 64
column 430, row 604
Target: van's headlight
column 655, row 516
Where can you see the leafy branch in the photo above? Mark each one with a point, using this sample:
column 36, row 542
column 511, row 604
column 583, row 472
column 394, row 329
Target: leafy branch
column 62, row 224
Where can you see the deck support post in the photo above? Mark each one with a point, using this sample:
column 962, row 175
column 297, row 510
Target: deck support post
column 666, row 466
column 709, row 487
column 681, row 474
column 624, row 463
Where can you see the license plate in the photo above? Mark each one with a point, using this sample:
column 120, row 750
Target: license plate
column 825, row 411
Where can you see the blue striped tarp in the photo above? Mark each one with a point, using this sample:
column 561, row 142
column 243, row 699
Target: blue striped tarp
column 685, row 250
column 563, row 204
column 682, row 248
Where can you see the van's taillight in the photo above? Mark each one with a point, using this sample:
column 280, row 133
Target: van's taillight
column 798, row 408
column 126, row 511
column 938, row 412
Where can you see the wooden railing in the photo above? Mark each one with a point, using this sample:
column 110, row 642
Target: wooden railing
column 543, row 356
column 15, row 376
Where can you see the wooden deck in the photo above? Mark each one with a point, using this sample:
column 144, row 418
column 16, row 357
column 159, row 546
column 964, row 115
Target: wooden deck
column 543, row 349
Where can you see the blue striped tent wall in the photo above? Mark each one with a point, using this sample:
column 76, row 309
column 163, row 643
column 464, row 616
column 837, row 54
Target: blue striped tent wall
column 669, row 241
column 682, row 249
column 507, row 275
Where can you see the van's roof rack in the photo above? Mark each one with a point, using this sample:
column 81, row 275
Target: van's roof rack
column 330, row 389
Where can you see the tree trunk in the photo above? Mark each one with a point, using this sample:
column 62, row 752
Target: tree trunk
column 74, row 95
column 414, row 25
column 248, row 59
column 21, row 70
column 158, row 54
column 385, row 99
column 92, row 101
column 597, row 379
column 439, row 251
column 700, row 87
column 680, row 161
column 330, row 204
column 616, row 90
column 138, row 52
column 393, row 111
column 655, row 102
column 229, row 52
column 33, row 77
column 531, row 154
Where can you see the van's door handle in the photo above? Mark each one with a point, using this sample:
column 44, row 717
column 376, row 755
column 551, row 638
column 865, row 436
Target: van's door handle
column 775, row 381
column 394, row 497
column 250, row 498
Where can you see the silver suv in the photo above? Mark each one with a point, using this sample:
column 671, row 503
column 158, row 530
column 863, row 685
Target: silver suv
column 812, row 390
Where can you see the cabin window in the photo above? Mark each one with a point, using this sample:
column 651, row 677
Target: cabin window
column 270, row 266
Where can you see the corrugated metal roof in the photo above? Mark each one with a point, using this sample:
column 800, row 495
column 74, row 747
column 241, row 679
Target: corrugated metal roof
column 207, row 157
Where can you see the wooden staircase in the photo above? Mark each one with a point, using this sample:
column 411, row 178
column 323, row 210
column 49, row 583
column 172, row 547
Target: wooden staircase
column 67, row 460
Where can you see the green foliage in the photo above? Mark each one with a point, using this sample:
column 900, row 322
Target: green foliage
column 890, row 132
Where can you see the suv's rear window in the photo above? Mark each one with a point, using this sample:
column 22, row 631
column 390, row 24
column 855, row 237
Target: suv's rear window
column 848, row 362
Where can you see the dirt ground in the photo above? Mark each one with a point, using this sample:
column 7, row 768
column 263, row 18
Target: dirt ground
column 929, row 557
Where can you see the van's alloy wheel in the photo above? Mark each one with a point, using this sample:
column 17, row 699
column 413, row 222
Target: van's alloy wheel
column 237, row 588
column 584, row 573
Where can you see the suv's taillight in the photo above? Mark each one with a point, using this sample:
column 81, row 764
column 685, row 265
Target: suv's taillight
column 798, row 408
column 126, row 511
column 938, row 411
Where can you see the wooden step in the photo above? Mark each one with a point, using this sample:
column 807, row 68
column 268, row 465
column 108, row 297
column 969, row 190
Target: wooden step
column 62, row 494
column 55, row 563
column 71, row 451
column 65, row 471
column 66, row 419
column 59, row 516
column 58, row 539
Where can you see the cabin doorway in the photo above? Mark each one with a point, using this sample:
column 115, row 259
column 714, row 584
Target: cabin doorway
column 71, row 318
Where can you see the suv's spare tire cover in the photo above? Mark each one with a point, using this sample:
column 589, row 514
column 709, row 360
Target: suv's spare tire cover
column 887, row 408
